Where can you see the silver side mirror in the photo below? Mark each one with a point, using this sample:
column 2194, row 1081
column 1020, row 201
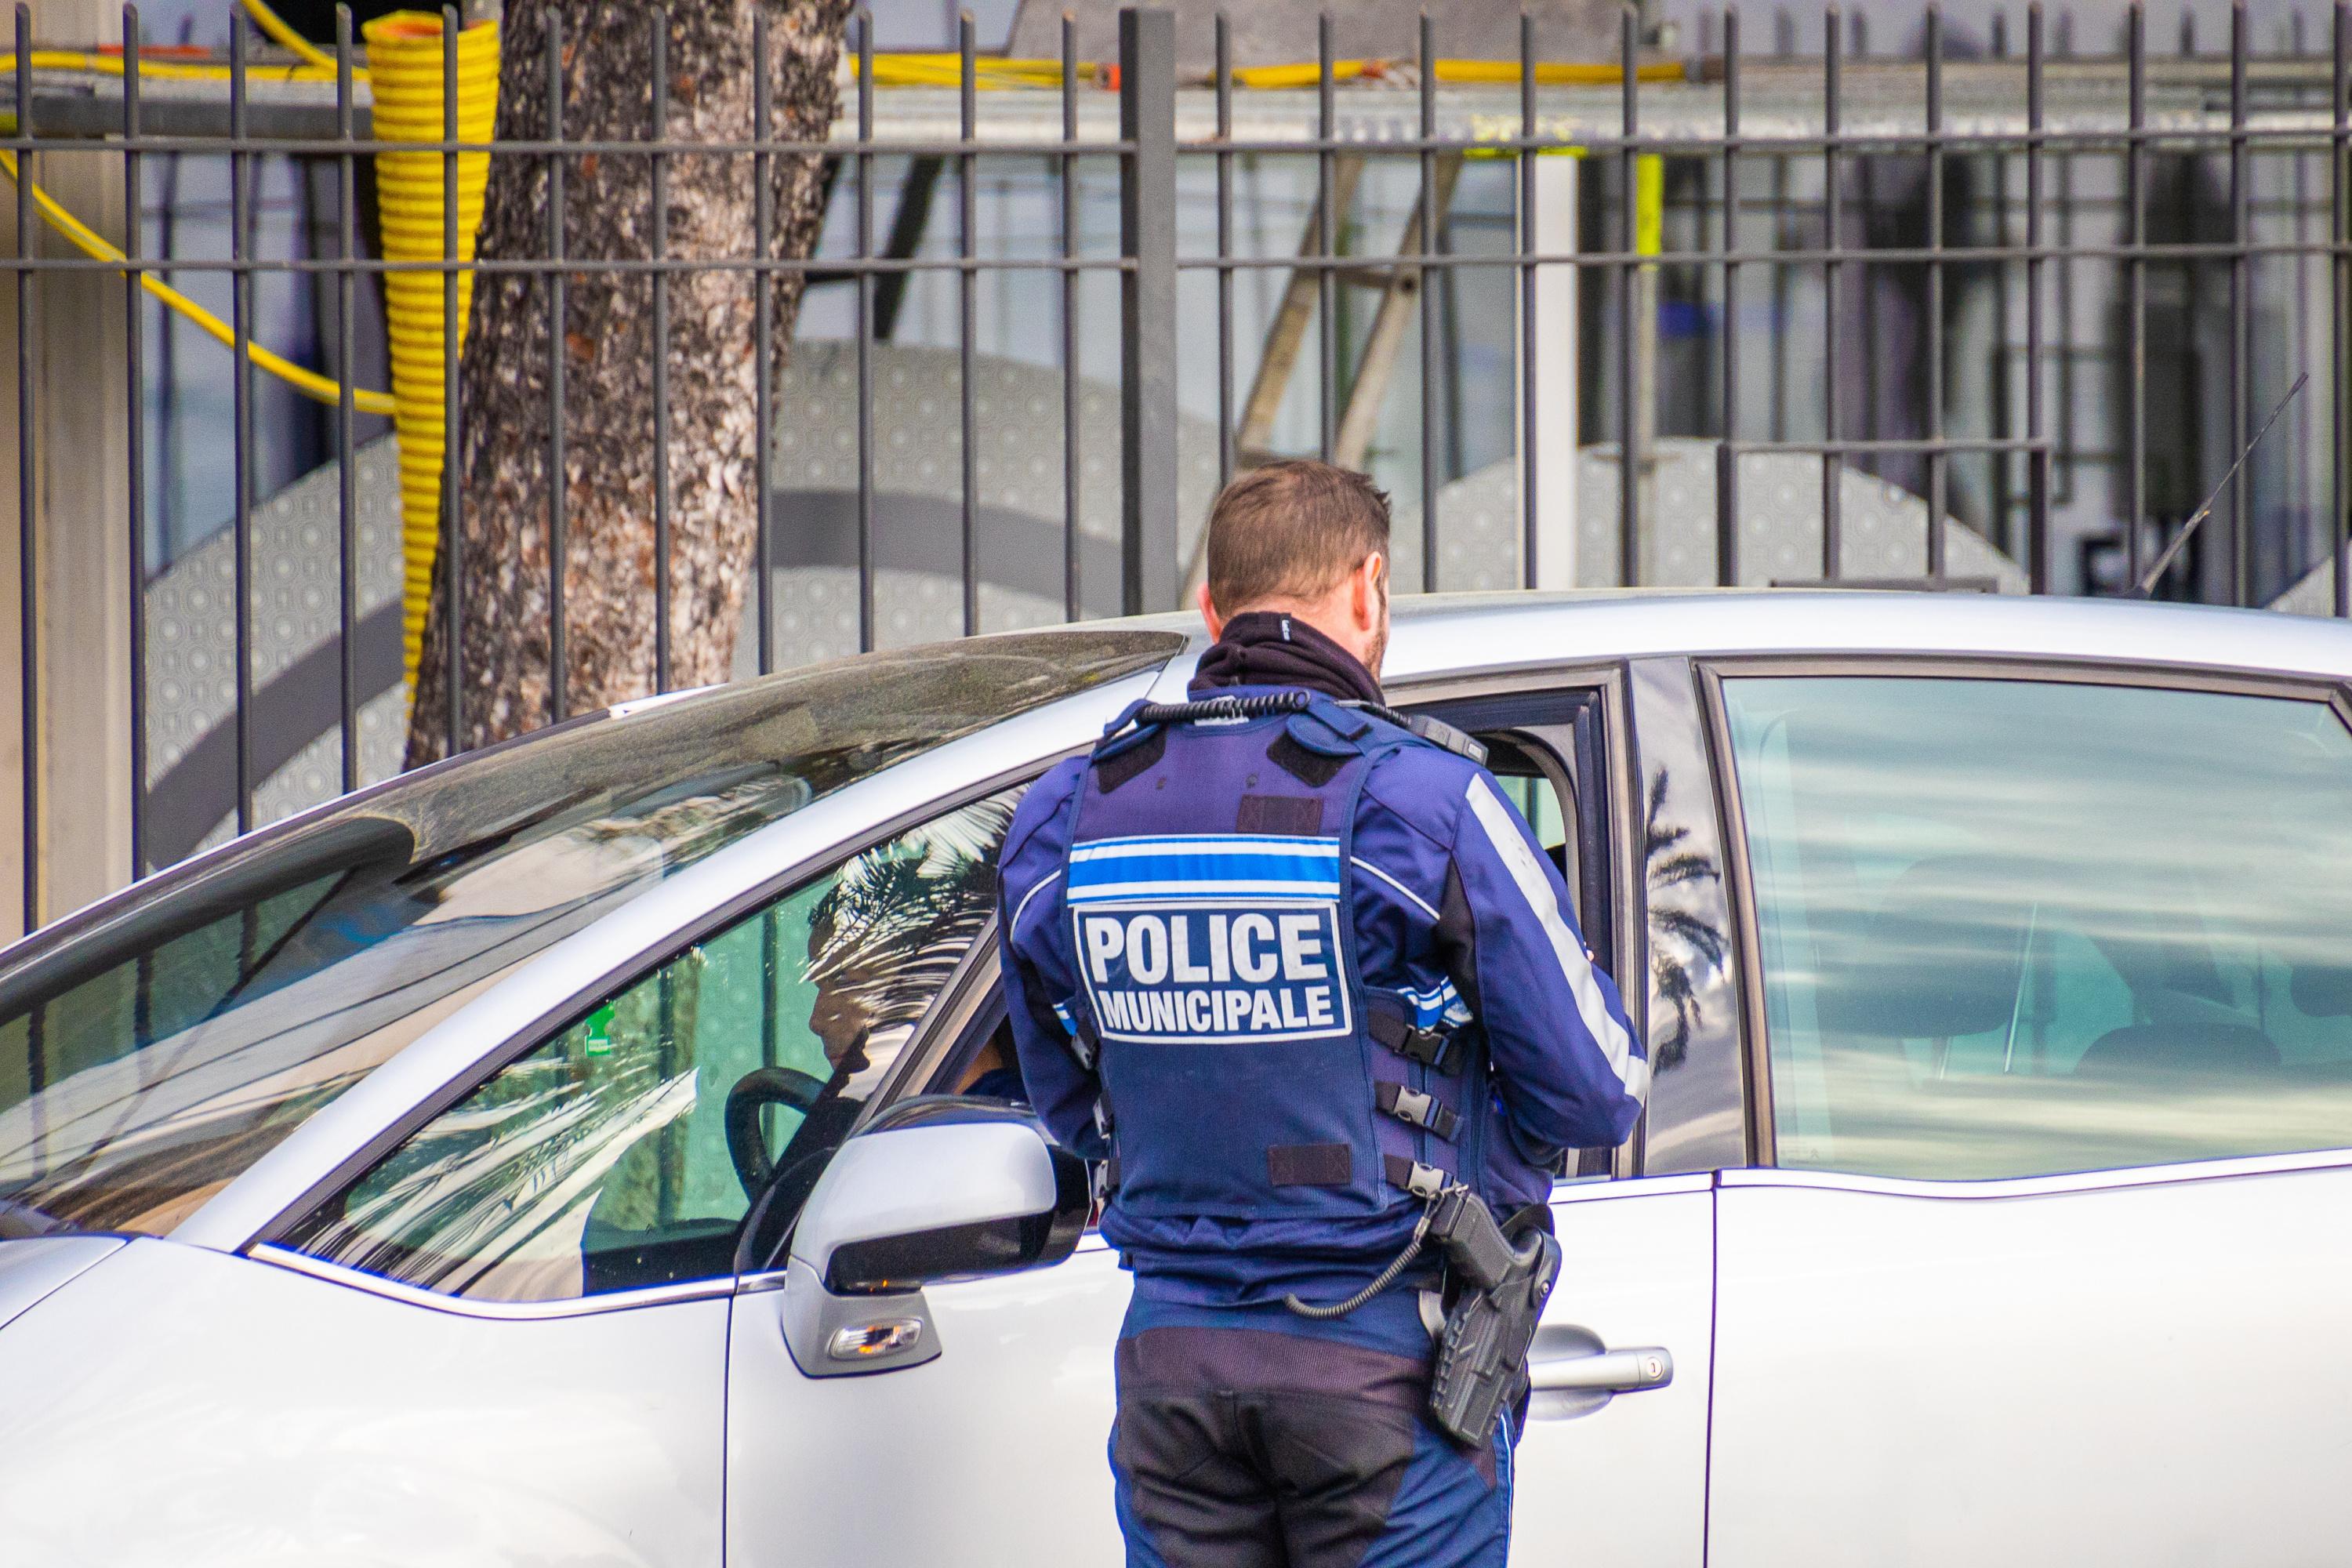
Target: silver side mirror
column 932, row 1191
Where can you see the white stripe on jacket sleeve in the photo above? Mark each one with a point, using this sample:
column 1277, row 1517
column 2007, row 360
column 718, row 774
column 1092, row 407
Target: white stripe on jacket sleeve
column 1043, row 883
column 1511, row 845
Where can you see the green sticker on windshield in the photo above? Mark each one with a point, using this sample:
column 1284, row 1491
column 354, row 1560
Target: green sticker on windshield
column 600, row 1031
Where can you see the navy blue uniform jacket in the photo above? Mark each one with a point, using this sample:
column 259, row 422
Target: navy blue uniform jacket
column 1457, row 910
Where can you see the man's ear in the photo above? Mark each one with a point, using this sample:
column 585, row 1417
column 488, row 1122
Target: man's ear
column 1215, row 622
column 1364, row 592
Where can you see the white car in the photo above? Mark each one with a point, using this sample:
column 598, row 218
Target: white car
column 502, row 1165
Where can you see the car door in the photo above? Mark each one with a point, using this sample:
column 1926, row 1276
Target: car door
column 1613, row 1474
column 994, row 1451
column 525, row 1298
column 2049, row 1266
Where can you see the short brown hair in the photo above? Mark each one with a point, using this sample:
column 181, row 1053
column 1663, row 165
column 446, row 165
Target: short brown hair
column 1291, row 530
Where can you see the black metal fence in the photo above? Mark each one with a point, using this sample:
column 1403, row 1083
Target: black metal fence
column 1771, row 183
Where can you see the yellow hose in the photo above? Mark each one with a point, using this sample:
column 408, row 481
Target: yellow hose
column 294, row 43
column 309, row 383
column 988, row 71
column 404, row 55
column 916, row 70
column 1553, row 73
column 92, row 244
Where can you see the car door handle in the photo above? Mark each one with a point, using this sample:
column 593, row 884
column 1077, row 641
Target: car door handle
column 1609, row 1372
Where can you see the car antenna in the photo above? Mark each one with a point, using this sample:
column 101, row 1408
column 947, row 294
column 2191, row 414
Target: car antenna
column 2147, row 584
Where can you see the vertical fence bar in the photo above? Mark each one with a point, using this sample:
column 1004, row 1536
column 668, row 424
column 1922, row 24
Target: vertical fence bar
column 2340, row 174
column 1784, row 44
column 1224, row 53
column 28, row 521
column 967, row 302
column 1072, row 589
column 2240, row 534
column 1939, row 460
column 1327, row 289
column 763, row 340
column 659, row 248
column 1424, row 282
column 2297, row 497
column 240, row 171
column 347, row 495
column 558, row 663
column 1528, row 413
column 27, row 516
column 134, row 431
column 2000, row 409
column 1147, row 123
column 1832, row 276
column 2037, row 457
column 2065, row 444
column 2136, row 292
column 1726, row 450
column 1630, row 453
column 1866, row 202
column 168, row 507
column 453, row 484
column 29, row 645
column 865, row 621
column 134, row 325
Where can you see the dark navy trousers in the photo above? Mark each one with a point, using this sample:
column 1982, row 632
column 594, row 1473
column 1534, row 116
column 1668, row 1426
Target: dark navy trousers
column 1252, row 1438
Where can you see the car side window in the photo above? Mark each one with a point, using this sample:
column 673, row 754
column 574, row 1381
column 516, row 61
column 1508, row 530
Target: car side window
column 2021, row 927
column 626, row 1150
column 1542, row 749
column 1536, row 784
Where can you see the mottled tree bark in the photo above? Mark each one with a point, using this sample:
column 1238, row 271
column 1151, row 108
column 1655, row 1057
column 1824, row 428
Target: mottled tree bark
column 608, row 353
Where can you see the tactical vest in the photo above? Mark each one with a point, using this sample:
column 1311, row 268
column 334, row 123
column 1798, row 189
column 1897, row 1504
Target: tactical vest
column 1248, row 1072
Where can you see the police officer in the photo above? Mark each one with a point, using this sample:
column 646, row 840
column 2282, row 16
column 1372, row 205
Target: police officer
column 1288, row 968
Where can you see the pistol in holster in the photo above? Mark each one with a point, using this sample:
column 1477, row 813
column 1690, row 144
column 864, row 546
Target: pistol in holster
column 1499, row 1287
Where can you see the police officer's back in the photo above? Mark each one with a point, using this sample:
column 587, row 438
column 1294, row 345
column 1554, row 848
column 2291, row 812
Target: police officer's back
column 1288, row 969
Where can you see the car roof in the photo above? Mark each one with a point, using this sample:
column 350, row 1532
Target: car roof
column 1439, row 634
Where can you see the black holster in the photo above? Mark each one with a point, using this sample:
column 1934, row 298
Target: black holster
column 1499, row 1282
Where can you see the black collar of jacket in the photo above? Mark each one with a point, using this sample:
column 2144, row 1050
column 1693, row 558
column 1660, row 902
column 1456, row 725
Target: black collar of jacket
column 1266, row 648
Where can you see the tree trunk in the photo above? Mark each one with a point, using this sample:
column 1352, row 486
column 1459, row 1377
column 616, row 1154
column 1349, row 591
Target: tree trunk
column 608, row 353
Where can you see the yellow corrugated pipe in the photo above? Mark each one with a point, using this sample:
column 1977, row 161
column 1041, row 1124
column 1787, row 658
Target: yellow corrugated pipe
column 405, row 61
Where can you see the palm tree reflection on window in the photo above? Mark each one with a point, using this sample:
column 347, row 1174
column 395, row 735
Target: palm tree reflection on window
column 1686, row 946
column 885, row 935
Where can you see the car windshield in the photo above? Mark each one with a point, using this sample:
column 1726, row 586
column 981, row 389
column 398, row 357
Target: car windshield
column 154, row 1048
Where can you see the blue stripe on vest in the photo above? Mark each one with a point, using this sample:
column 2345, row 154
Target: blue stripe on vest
column 1432, row 1007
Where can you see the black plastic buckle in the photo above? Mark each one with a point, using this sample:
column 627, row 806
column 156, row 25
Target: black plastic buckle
column 1416, row 1109
column 1435, row 1049
column 1422, row 1180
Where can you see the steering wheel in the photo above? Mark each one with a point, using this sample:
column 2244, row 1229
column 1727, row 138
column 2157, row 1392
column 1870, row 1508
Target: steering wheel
column 753, row 1093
